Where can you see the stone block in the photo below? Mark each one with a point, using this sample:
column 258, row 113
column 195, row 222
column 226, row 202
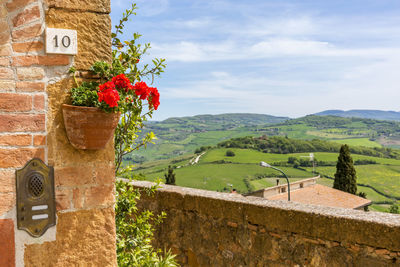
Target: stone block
column 73, row 176
column 84, row 238
column 94, row 31
column 7, row 241
column 100, row 6
column 99, row 195
column 63, row 198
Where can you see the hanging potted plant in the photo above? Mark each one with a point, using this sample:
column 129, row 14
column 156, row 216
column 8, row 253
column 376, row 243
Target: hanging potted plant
column 95, row 109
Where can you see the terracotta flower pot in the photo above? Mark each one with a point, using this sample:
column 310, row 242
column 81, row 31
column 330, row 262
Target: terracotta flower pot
column 89, row 128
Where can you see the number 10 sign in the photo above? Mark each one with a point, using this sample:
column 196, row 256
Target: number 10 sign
column 61, row 41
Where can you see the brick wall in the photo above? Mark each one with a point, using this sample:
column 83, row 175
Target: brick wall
column 33, row 85
column 207, row 228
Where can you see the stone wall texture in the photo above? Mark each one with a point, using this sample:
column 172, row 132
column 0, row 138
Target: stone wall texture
column 33, row 85
column 217, row 229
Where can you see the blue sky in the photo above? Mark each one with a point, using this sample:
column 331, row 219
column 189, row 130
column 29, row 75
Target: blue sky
column 283, row 58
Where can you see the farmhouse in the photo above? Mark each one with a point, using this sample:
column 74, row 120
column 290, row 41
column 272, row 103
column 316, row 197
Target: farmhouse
column 307, row 191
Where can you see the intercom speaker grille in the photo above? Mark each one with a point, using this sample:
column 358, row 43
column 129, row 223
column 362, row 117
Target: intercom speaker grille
column 36, row 185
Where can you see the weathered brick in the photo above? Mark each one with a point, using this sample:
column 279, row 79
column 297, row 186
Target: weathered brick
column 22, row 123
column 7, row 85
column 17, row 157
column 57, row 60
column 5, row 50
column 4, row 62
column 6, row 204
column 15, row 102
column 15, row 140
column 99, row 195
column 15, row 4
column 26, row 16
column 33, row 73
column 3, row 11
column 6, row 74
column 7, row 181
column 28, row 47
column 7, row 241
column 27, row 32
column 4, row 38
column 30, row 86
column 39, row 140
column 63, row 198
column 39, row 102
column 104, row 175
column 3, row 25
column 78, row 198
column 73, row 176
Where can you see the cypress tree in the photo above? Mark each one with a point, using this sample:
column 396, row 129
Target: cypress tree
column 345, row 176
column 170, row 176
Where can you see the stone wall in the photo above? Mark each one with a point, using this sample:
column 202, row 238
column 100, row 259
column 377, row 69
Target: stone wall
column 207, row 228
column 33, row 85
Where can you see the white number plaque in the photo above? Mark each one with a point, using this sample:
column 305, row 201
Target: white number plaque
column 61, row 41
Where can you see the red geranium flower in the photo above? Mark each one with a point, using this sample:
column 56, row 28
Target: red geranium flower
column 110, row 96
column 154, row 98
column 122, row 82
column 107, row 86
column 141, row 90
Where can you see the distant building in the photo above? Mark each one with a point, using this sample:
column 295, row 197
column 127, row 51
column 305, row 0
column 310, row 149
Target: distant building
column 307, row 191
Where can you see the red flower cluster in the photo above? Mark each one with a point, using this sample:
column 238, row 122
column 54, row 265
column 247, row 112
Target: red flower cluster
column 122, row 82
column 141, row 90
column 149, row 93
column 154, row 97
column 108, row 94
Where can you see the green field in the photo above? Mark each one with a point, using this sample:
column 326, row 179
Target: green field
column 215, row 171
column 358, row 142
column 180, row 136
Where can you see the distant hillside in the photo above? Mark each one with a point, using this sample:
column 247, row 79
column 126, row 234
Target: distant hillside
column 178, row 136
column 181, row 136
column 363, row 113
column 217, row 122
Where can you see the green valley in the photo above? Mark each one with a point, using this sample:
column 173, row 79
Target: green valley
column 279, row 141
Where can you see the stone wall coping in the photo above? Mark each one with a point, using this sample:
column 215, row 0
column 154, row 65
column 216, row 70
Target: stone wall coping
column 375, row 229
column 375, row 217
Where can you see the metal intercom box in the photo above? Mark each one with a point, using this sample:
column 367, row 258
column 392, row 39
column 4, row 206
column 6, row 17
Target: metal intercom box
column 36, row 208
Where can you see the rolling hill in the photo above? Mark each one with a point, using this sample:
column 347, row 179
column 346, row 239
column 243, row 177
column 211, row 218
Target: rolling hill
column 363, row 113
column 180, row 136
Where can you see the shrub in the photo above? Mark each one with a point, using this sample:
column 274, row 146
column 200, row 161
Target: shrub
column 135, row 230
column 230, row 153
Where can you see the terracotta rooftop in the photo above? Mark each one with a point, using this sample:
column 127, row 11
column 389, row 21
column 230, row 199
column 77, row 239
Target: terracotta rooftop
column 323, row 195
